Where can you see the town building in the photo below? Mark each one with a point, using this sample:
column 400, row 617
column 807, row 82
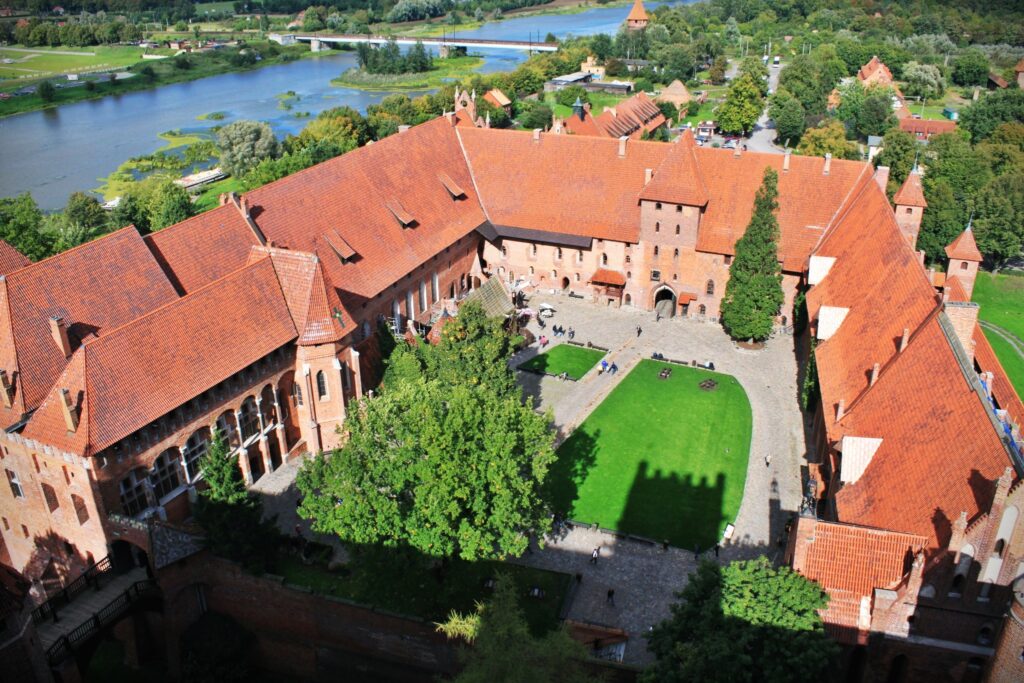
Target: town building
column 634, row 118
column 262, row 319
column 924, row 129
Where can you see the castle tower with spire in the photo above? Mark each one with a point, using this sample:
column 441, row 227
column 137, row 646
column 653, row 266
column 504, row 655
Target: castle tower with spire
column 964, row 259
column 637, row 18
column 910, row 205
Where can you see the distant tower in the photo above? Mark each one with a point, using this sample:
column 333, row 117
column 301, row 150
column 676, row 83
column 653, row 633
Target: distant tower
column 964, row 259
column 637, row 19
column 578, row 109
column 910, row 206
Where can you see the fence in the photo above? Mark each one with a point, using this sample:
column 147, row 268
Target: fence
column 93, row 576
column 64, row 647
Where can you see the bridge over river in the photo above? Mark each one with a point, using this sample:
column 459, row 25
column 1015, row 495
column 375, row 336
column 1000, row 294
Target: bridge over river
column 317, row 40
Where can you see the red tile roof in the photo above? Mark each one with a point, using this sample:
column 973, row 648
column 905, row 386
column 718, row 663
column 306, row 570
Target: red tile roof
column 630, row 118
column 849, row 562
column 803, row 215
column 875, row 69
column 11, row 259
column 964, row 247
column 204, row 248
column 954, row 289
column 1002, row 388
column 637, row 12
column 497, row 98
column 605, row 276
column 679, row 179
column 940, row 453
column 911, row 193
column 566, row 184
column 132, row 375
column 350, row 194
column 926, row 127
column 94, row 287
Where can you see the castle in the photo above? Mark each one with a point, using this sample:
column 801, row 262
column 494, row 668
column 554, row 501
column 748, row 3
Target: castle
column 261, row 318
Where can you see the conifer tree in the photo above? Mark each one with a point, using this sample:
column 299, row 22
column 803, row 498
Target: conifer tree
column 753, row 295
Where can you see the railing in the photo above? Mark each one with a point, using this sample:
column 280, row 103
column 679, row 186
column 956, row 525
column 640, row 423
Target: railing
column 93, row 576
column 65, row 645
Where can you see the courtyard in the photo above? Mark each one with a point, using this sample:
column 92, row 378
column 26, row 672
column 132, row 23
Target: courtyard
column 664, row 456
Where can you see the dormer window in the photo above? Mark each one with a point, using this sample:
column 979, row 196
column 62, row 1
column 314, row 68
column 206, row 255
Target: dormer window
column 453, row 187
column 340, row 247
column 405, row 219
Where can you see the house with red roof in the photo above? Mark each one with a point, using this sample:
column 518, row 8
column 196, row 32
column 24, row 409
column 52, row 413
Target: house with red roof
column 924, row 129
column 633, row 117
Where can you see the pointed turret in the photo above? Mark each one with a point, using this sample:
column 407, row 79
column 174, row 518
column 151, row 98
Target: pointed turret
column 910, row 205
column 964, row 259
column 578, row 109
column 637, row 18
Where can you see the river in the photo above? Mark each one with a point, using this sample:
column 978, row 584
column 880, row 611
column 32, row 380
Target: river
column 55, row 152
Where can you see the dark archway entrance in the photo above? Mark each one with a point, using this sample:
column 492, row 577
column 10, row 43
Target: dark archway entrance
column 565, row 283
column 126, row 556
column 665, row 302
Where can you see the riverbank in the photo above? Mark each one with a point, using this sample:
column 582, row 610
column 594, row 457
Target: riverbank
column 154, row 73
column 444, row 71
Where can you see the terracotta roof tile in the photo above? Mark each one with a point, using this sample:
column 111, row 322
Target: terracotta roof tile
column 875, row 69
column 954, row 289
column 497, row 98
column 125, row 379
column 605, row 276
column 1003, row 391
column 679, row 179
column 637, row 12
column 350, row 194
column 926, row 127
column 849, row 562
column 94, row 288
column 964, row 247
column 911, row 193
column 204, row 248
column 563, row 183
column 11, row 259
column 632, row 117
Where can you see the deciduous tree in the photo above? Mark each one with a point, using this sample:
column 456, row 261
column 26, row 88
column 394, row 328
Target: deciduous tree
column 20, row 223
column 789, row 117
column 753, row 295
column 899, row 149
column 970, row 68
column 243, row 144
column 742, row 107
column 827, row 139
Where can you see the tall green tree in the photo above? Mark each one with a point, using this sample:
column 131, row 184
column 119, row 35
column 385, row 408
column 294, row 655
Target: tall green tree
column 827, row 138
column 999, row 221
column 169, row 203
column 753, row 295
column 84, row 210
column 747, row 622
column 449, row 470
column 505, row 650
column 984, row 116
column 876, row 115
column 742, row 107
column 899, row 149
column 802, row 78
column 243, row 144
column 789, row 117
column 20, row 226
column 970, row 68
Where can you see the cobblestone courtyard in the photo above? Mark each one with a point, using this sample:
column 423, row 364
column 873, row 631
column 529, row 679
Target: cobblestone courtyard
column 644, row 576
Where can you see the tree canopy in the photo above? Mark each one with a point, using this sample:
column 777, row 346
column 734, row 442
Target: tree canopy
column 243, row 144
column 745, row 622
column 753, row 294
column 827, row 139
column 742, row 107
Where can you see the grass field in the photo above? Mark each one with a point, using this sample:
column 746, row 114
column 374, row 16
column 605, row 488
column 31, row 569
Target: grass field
column 1001, row 298
column 444, row 71
column 203, row 7
column 1011, row 361
column 703, row 113
column 41, row 62
column 403, row 588
column 575, row 361
column 659, row 458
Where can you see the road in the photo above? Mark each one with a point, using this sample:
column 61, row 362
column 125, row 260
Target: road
column 763, row 137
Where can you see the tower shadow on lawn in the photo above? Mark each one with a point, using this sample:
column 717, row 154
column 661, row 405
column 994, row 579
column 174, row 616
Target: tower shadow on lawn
column 576, row 456
column 674, row 508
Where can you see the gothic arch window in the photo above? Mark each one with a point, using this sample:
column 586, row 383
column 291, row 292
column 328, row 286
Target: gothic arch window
column 677, row 228
column 297, row 393
column 604, row 259
column 165, row 475
column 195, row 449
column 133, row 493
column 321, row 386
column 657, row 227
column 702, row 309
column 963, row 265
column 709, row 288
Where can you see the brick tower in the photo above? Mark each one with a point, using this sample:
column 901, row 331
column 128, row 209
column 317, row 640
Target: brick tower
column 964, row 259
column 637, row 19
column 910, row 205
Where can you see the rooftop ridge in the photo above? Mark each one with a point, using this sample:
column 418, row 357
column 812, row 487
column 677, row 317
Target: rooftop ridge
column 472, row 176
column 80, row 247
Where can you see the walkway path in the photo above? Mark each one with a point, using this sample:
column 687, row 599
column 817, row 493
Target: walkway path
column 85, row 605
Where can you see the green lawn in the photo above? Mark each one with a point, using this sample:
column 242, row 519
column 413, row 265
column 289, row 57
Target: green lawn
column 704, row 113
column 576, row 361
column 1010, row 360
column 598, row 101
column 42, row 62
column 393, row 583
column 1001, row 298
column 659, row 458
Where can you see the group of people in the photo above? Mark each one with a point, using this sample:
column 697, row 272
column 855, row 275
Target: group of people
column 560, row 331
column 610, row 368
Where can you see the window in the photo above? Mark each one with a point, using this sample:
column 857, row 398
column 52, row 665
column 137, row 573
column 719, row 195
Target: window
column 504, row 251
column 579, row 256
column 909, row 209
column 558, row 253
column 604, row 259
column 410, row 306
column 533, row 250
column 702, row 309
column 16, row 490
column 346, row 377
column 657, row 227
column 728, row 260
column 435, row 288
column 297, row 394
column 531, row 270
column 250, row 420
column 675, row 277
column 629, row 259
column 657, row 206
column 196, row 447
column 51, row 497
column 554, row 274
column 709, row 288
column 423, row 296
column 165, row 475
column 133, row 494
column 655, row 275
column 655, row 250
column 679, row 209
column 675, row 253
column 396, row 311
column 577, row 277
column 629, row 275
column 321, row 386
column 677, row 228
column 963, row 265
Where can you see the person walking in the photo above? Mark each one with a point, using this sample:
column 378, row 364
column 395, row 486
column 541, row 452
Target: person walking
column 639, row 330
column 614, row 368
column 572, row 333
column 611, row 597
column 768, row 460
column 593, row 555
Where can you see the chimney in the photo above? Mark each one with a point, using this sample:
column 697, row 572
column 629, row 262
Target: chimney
column 450, row 115
column 536, row 134
column 70, row 414
column 648, row 174
column 904, row 339
column 920, row 256
column 882, row 176
column 6, row 389
column 986, row 377
column 828, row 163
column 964, row 317
column 223, row 199
column 874, row 374
column 959, row 532
column 243, row 205
column 785, row 161
column 403, row 128
column 622, row 146
column 840, row 410
column 59, row 331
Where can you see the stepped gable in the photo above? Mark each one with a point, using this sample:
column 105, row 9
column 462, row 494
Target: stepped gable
column 316, row 310
column 964, row 247
column 11, row 259
column 95, row 287
column 679, row 179
column 940, row 452
column 878, row 278
column 565, row 184
column 911, row 193
column 808, row 199
column 1002, row 388
column 386, row 201
column 849, row 562
column 134, row 374
column 204, row 248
